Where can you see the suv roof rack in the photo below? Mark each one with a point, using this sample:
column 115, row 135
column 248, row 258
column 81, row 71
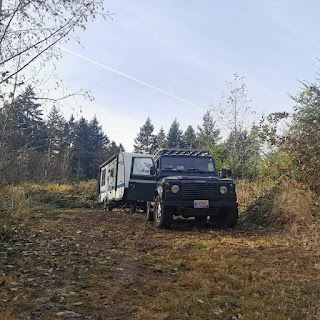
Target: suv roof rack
column 180, row 152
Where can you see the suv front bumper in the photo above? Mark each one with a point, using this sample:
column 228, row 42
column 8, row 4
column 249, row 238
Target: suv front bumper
column 190, row 204
column 186, row 207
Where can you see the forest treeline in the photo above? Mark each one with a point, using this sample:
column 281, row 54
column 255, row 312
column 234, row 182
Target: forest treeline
column 239, row 151
column 52, row 148
column 36, row 148
column 55, row 149
column 280, row 146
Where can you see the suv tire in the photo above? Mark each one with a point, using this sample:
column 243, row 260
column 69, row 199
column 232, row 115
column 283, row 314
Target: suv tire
column 227, row 218
column 149, row 212
column 162, row 215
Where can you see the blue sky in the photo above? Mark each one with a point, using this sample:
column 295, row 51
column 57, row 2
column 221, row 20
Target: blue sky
column 190, row 49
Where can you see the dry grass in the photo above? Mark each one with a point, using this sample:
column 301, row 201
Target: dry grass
column 21, row 200
column 249, row 192
column 115, row 266
column 283, row 206
column 294, row 208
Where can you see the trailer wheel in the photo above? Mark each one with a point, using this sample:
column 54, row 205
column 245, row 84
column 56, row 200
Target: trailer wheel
column 133, row 208
column 107, row 206
column 149, row 211
column 163, row 216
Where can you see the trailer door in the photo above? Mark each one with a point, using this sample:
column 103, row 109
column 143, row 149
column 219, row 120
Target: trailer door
column 142, row 184
column 120, row 178
column 112, row 179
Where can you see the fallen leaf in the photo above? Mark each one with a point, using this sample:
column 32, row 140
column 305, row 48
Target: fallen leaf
column 175, row 298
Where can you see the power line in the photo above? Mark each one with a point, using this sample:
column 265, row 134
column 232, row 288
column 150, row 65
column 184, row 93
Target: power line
column 132, row 78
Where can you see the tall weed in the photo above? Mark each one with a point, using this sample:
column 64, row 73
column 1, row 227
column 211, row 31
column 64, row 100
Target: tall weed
column 285, row 206
column 29, row 197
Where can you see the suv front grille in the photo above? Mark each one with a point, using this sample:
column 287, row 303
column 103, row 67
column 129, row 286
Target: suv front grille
column 199, row 191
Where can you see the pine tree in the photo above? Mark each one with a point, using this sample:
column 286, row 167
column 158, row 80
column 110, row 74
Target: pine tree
column 145, row 140
column 90, row 149
column 243, row 150
column 24, row 125
column 81, row 154
column 71, row 127
column 56, row 131
column 190, row 138
column 174, row 137
column 97, row 148
column 208, row 134
column 161, row 139
column 22, row 138
column 113, row 149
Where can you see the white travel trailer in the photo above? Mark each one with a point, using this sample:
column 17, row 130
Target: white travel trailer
column 125, row 180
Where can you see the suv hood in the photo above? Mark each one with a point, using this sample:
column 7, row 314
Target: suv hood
column 200, row 177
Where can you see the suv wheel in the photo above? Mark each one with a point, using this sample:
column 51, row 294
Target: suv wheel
column 227, row 218
column 162, row 216
column 149, row 211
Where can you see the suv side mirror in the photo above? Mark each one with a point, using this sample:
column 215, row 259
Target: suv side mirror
column 153, row 170
column 229, row 172
column 223, row 173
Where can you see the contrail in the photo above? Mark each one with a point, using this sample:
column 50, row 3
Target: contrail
column 132, row 78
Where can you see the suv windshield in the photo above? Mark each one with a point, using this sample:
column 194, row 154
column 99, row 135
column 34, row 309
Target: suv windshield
column 187, row 164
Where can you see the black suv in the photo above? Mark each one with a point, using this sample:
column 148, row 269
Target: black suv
column 188, row 185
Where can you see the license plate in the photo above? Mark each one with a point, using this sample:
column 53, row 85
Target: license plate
column 201, row 204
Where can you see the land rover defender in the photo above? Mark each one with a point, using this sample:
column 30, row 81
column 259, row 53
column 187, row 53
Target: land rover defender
column 188, row 185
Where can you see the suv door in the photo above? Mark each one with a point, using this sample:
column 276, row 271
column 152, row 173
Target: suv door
column 142, row 183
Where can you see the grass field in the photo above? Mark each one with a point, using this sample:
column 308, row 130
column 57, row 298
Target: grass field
column 87, row 264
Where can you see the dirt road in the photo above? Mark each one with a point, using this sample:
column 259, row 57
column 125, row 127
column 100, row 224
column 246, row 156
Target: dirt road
column 95, row 265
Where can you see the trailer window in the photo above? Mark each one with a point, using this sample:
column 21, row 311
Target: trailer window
column 103, row 177
column 141, row 166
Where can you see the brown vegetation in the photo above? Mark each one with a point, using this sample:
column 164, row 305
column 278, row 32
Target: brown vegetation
column 88, row 264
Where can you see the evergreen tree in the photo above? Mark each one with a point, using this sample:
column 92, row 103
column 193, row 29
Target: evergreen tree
column 56, row 126
column 81, row 154
column 243, row 152
column 22, row 138
column 190, row 138
column 90, row 149
column 56, row 131
column 174, row 137
column 98, row 147
column 24, row 125
column 208, row 135
column 161, row 139
column 113, row 149
column 145, row 140
column 70, row 133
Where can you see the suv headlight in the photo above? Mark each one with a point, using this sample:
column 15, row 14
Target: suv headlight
column 175, row 188
column 223, row 189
